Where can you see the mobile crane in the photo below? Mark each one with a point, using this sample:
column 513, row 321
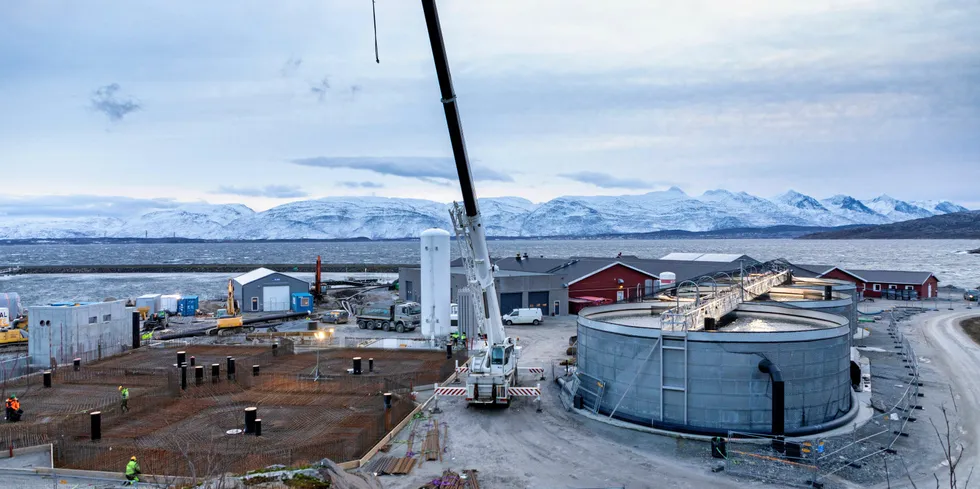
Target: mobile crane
column 492, row 371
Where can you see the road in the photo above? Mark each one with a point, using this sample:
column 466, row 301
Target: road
column 939, row 337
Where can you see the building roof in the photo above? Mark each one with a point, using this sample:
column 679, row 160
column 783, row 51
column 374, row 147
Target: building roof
column 613, row 264
column 258, row 273
column 498, row 273
column 709, row 257
column 888, row 276
column 810, row 271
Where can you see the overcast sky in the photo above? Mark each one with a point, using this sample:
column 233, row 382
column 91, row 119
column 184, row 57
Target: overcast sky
column 265, row 102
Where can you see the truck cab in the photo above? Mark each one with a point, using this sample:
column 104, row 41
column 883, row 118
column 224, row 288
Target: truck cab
column 531, row 315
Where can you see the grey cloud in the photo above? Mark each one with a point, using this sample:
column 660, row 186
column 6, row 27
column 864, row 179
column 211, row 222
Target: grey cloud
column 605, row 180
column 321, row 88
column 68, row 206
column 106, row 100
column 290, row 66
column 418, row 167
column 360, row 184
column 271, row 191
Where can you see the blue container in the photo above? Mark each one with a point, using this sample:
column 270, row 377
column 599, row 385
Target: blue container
column 187, row 306
column 302, row 302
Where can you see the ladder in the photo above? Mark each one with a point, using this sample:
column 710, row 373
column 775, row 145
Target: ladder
column 669, row 343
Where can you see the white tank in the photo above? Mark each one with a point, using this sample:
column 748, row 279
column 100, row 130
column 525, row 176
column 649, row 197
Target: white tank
column 667, row 279
column 435, row 283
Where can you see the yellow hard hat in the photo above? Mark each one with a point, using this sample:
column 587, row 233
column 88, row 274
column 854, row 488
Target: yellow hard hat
column 133, row 458
column 120, row 387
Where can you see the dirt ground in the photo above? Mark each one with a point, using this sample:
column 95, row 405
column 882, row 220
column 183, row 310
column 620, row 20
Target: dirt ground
column 518, row 447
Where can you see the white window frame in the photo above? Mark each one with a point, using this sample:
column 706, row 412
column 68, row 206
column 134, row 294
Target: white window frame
column 909, row 287
column 876, row 287
column 892, row 287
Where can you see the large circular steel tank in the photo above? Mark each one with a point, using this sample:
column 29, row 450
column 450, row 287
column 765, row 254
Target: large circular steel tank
column 709, row 382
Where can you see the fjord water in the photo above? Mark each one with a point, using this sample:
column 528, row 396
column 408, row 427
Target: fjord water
column 946, row 258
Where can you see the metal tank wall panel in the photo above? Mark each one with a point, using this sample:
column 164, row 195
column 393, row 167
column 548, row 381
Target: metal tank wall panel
column 726, row 390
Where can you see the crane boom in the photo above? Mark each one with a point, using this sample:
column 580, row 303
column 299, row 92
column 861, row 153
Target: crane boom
column 470, row 221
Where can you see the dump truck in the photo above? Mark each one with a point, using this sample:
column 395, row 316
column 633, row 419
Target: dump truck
column 401, row 316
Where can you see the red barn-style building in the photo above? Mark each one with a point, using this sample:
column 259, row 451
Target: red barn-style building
column 876, row 283
column 615, row 282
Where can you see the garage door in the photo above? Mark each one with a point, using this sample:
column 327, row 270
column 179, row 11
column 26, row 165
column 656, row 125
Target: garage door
column 275, row 298
column 538, row 300
column 510, row 301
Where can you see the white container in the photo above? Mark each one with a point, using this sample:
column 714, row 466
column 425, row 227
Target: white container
column 667, row 279
column 149, row 300
column 435, row 283
column 169, row 303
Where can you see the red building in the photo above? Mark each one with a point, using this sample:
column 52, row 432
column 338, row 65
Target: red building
column 878, row 283
column 615, row 282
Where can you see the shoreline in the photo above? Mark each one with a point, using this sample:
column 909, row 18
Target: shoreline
column 203, row 268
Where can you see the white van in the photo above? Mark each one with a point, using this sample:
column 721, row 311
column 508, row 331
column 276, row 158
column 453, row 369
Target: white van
column 523, row 316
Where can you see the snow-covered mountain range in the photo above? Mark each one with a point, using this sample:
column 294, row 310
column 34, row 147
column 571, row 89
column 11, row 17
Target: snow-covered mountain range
column 391, row 218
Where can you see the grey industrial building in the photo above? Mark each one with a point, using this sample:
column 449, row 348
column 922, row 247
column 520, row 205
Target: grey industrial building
column 90, row 331
column 267, row 290
column 555, row 284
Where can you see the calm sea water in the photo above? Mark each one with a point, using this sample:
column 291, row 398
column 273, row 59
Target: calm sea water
column 946, row 258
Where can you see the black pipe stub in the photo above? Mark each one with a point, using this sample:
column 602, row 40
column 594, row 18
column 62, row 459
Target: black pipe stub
column 370, row 364
column 449, row 351
column 255, row 370
column 258, row 426
column 387, row 400
column 193, row 361
column 251, row 414
column 183, row 376
column 231, row 368
column 215, row 372
column 710, row 324
column 275, row 349
column 357, row 365
column 181, row 357
column 199, row 374
column 778, row 398
column 76, row 364
column 96, row 425
column 47, row 378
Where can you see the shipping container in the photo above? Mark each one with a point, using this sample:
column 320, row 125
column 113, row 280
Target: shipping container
column 169, row 303
column 187, row 306
column 152, row 301
column 302, row 302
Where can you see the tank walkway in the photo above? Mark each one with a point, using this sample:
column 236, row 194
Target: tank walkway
column 691, row 316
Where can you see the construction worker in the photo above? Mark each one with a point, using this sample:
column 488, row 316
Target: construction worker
column 133, row 471
column 11, row 408
column 124, row 401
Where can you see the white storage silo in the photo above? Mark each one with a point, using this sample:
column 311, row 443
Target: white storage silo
column 435, row 283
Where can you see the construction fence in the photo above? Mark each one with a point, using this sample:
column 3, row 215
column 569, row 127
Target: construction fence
column 813, row 461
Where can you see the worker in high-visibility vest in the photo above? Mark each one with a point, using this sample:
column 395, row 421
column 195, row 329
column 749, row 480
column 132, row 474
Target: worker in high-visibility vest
column 133, row 471
column 124, row 401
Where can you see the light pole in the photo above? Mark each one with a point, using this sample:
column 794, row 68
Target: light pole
column 319, row 335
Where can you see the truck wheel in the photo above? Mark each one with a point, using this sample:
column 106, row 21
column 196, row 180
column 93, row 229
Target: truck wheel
column 535, row 322
column 361, row 324
column 385, row 325
column 508, row 322
column 400, row 327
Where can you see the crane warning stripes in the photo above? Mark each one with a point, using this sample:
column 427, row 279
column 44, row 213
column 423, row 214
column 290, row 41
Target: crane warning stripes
column 450, row 391
column 524, row 391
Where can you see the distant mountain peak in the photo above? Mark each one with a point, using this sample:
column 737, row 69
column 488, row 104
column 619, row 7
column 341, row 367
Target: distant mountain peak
column 795, row 199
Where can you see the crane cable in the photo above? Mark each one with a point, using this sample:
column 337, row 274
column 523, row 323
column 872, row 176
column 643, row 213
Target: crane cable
column 374, row 17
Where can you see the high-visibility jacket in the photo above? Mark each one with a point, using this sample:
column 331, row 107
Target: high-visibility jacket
column 132, row 468
column 9, row 404
column 125, row 393
column 15, row 405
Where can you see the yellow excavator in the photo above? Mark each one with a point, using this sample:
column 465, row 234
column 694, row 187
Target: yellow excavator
column 230, row 318
column 12, row 333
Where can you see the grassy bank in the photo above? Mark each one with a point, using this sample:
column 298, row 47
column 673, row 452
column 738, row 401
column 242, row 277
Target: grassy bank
column 971, row 327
